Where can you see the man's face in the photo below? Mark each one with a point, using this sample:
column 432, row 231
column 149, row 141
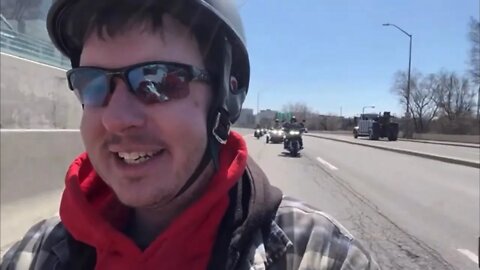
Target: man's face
column 175, row 130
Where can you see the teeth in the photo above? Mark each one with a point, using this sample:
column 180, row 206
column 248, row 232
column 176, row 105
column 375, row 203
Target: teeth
column 136, row 161
column 135, row 157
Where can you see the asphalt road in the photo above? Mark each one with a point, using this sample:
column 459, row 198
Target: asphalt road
column 466, row 153
column 412, row 212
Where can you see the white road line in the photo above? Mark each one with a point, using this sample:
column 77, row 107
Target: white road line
column 469, row 254
column 330, row 166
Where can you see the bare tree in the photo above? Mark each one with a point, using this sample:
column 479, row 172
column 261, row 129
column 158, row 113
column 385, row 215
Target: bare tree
column 400, row 85
column 454, row 96
column 456, row 100
column 474, row 36
column 330, row 122
column 299, row 109
column 474, row 59
column 423, row 107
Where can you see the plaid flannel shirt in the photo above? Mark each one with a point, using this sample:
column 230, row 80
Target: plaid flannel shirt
column 304, row 238
column 300, row 237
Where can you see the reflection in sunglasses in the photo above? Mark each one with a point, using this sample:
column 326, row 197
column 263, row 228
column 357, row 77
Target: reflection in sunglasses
column 151, row 92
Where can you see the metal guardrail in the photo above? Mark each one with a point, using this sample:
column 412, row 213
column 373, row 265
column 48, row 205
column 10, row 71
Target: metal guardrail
column 30, row 48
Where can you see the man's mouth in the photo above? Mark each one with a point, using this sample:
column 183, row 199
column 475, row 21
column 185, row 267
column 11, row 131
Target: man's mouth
column 137, row 157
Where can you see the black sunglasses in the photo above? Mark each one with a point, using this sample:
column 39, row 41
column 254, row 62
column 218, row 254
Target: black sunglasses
column 151, row 82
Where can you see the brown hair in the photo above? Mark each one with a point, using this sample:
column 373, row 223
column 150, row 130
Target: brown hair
column 115, row 17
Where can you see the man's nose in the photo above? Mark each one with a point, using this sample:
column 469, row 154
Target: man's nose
column 123, row 110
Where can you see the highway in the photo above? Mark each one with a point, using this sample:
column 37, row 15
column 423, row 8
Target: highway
column 411, row 212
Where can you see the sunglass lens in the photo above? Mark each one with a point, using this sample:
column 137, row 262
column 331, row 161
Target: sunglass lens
column 90, row 86
column 158, row 83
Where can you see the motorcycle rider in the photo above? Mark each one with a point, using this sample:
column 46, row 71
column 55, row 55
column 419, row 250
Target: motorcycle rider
column 303, row 124
column 164, row 182
column 292, row 125
column 277, row 125
column 258, row 131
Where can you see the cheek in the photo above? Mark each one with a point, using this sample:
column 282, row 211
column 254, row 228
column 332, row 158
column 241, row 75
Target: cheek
column 90, row 127
column 197, row 113
column 198, row 105
column 202, row 101
column 192, row 117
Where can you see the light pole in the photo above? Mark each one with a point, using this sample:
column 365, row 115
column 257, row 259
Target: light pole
column 407, row 113
column 258, row 107
column 258, row 101
column 364, row 107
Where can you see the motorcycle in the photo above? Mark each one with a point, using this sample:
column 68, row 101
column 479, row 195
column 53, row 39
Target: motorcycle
column 292, row 142
column 275, row 136
column 257, row 134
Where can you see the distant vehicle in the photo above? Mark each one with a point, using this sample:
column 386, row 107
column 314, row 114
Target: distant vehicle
column 275, row 136
column 376, row 126
column 257, row 133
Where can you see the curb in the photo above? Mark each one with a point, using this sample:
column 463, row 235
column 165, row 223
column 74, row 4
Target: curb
column 408, row 152
column 459, row 144
column 442, row 143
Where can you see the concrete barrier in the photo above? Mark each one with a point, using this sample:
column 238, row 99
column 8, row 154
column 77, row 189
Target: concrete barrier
column 34, row 162
column 35, row 95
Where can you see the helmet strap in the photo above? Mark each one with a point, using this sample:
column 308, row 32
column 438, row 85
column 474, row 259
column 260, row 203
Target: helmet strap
column 200, row 168
column 218, row 121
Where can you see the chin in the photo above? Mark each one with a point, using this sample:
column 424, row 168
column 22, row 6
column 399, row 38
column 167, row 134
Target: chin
column 144, row 198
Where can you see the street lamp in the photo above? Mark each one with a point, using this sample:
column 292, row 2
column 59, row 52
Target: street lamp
column 407, row 113
column 364, row 107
